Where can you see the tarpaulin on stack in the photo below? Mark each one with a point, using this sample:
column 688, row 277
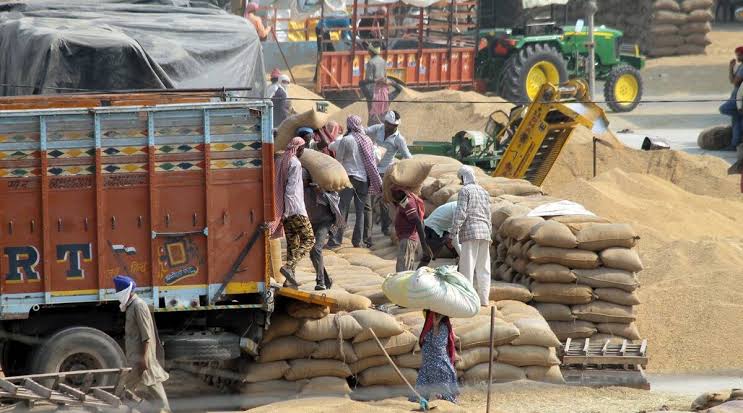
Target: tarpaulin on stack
column 116, row 44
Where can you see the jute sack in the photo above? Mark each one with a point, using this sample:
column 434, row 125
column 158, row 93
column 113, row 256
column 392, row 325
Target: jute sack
column 520, row 265
column 346, row 301
column 479, row 335
column 572, row 329
column 670, row 5
column 507, row 291
column 603, row 312
column 662, row 51
column 522, row 356
column 519, row 188
column 715, row 138
column 517, row 308
column 669, row 17
column 474, row 356
column 395, row 345
column 555, row 312
column 442, row 196
column 579, row 219
column 374, row 295
column 326, row 387
column 553, row 234
column 307, row 369
column 550, row 374
column 286, row 348
column 628, row 331
column 691, row 49
column 331, row 327
column 515, row 249
column 689, row 5
column 409, row 360
column 664, row 30
column 281, row 326
column 288, row 128
column 550, row 273
column 706, row 401
column 409, row 173
column 696, row 27
column 672, row 40
column 299, row 309
column 503, row 212
column 386, row 375
column 325, row 171
column 698, row 39
column 501, row 373
column 571, row 258
column 700, row 16
column 621, row 258
column 366, row 363
column 335, row 350
column 518, row 228
column 562, row 293
column 252, row 372
column 599, row 237
column 383, row 324
column 534, row 332
column 274, row 246
column 617, row 296
column 609, row 278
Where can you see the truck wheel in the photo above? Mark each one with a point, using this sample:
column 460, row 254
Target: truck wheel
column 79, row 348
column 526, row 71
column 623, row 88
column 202, row 347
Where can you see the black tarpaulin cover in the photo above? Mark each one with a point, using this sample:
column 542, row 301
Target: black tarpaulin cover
column 46, row 46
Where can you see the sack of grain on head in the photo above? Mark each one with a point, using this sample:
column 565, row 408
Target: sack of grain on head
column 522, row 356
column 325, row 171
column 366, row 363
column 252, row 372
column 562, row 293
column 335, row 350
column 478, row 335
column 670, row 5
column 715, row 138
column 553, row 234
column 603, row 312
column 325, row 387
column 669, row 17
column 572, row 329
column 395, row 345
column 599, row 237
column 307, row 369
column 700, row 16
column 534, row 332
column 550, row 273
column 664, row 30
column 696, row 28
column 690, row 5
column 507, row 291
column 551, row 374
column 299, row 309
column 555, row 312
column 288, row 128
column 501, row 373
column 622, row 259
column 474, row 356
column 628, row 331
column 519, row 228
column 383, row 324
column 617, row 296
column 571, row 258
column 281, row 326
column 330, row 327
column 286, row 348
column 409, row 360
column 386, row 375
column 609, row 278
column 409, row 173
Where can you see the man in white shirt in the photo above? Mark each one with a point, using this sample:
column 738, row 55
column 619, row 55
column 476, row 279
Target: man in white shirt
column 387, row 135
column 438, row 231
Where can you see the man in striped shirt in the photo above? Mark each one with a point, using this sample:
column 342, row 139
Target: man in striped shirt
column 472, row 227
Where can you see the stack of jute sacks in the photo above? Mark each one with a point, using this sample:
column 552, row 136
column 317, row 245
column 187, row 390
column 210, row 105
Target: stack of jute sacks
column 580, row 270
column 679, row 28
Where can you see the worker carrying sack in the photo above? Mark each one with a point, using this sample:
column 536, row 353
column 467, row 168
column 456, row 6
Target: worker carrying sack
column 288, row 128
column 325, row 171
column 442, row 290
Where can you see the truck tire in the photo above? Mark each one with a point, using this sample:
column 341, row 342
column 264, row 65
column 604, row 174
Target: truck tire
column 78, row 348
column 526, row 71
column 202, row 346
column 623, row 88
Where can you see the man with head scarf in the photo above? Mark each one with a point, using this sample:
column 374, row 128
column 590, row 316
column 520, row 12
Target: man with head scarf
column 326, row 218
column 472, row 227
column 730, row 107
column 257, row 22
column 290, row 209
column 355, row 152
column 144, row 352
column 280, row 99
column 325, row 136
column 409, row 229
column 375, row 86
column 274, row 85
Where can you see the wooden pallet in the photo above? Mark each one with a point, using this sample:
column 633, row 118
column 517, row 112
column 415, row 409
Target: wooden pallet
column 51, row 389
column 602, row 363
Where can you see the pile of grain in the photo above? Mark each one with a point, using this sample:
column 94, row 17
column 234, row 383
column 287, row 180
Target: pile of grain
column 304, row 99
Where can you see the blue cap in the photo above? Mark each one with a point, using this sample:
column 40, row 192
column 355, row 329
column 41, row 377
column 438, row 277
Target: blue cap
column 304, row 130
column 122, row 282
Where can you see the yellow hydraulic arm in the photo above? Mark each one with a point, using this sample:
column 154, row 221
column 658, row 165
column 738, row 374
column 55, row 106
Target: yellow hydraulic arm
column 547, row 125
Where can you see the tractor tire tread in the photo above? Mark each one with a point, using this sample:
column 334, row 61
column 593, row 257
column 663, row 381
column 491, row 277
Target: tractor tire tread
column 610, row 83
column 516, row 68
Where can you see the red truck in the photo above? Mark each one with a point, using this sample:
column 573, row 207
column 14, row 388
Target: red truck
column 174, row 195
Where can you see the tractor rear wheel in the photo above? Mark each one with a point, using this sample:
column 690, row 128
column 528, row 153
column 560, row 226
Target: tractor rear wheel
column 525, row 72
column 623, row 88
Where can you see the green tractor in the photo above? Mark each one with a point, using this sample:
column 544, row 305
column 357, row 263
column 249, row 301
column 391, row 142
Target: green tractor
column 515, row 63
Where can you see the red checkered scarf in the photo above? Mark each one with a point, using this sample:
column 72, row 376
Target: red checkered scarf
column 282, row 174
column 353, row 124
column 381, row 100
column 328, row 134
